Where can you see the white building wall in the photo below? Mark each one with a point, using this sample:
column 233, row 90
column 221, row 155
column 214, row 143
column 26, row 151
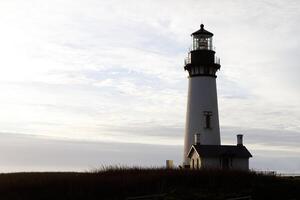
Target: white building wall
column 202, row 96
column 216, row 163
column 211, row 163
column 240, row 163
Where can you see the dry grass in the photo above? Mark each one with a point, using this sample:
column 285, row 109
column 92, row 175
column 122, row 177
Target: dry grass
column 119, row 183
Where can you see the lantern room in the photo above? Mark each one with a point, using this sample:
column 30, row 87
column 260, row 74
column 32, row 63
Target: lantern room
column 202, row 39
column 201, row 59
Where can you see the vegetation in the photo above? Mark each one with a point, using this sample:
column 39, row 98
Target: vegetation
column 121, row 183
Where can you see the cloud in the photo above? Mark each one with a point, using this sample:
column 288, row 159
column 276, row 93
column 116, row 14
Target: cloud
column 32, row 153
column 35, row 153
column 110, row 71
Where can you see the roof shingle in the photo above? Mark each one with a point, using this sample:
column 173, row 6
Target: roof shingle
column 238, row 151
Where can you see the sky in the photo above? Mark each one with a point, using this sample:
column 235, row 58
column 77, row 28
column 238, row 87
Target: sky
column 89, row 83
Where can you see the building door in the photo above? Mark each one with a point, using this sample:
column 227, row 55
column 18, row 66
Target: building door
column 225, row 163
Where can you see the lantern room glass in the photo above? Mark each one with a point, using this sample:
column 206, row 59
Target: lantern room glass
column 201, row 42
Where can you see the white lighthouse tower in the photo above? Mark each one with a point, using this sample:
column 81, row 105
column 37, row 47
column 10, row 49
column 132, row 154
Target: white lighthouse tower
column 202, row 117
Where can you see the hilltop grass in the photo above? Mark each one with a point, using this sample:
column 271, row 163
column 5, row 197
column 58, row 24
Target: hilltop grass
column 120, row 183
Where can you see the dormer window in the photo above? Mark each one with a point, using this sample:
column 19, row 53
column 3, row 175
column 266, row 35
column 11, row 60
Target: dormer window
column 207, row 119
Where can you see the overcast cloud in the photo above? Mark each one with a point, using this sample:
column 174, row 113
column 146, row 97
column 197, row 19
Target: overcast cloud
column 110, row 72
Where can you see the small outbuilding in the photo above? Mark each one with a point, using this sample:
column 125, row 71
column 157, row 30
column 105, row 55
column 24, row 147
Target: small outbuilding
column 235, row 157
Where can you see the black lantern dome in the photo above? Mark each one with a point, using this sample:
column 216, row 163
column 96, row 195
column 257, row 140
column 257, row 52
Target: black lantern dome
column 202, row 31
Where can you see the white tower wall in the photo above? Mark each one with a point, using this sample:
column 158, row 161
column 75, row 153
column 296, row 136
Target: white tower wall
column 202, row 99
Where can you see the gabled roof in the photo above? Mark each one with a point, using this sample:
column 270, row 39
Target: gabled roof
column 202, row 31
column 238, row 151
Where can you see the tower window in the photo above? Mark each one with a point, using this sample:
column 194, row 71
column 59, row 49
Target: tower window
column 207, row 118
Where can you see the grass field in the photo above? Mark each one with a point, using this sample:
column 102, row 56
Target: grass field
column 120, row 183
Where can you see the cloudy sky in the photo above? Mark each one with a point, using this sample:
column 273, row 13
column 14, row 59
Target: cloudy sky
column 86, row 83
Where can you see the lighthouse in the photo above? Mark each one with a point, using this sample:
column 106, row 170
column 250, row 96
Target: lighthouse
column 202, row 118
column 202, row 142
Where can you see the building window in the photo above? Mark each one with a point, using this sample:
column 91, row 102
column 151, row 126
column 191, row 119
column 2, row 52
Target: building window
column 193, row 163
column 225, row 163
column 207, row 118
column 198, row 163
